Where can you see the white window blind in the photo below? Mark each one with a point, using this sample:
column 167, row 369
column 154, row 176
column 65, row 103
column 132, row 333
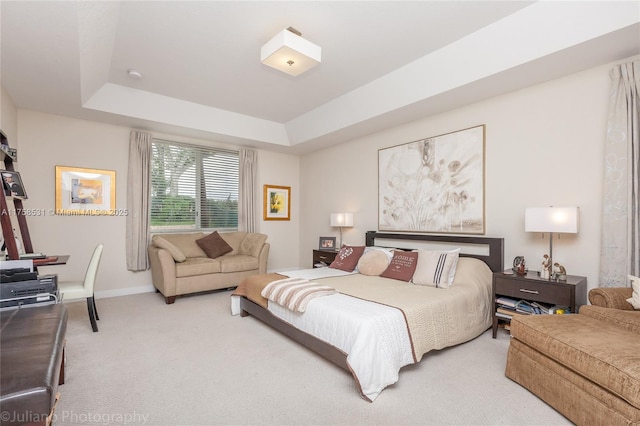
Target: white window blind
column 193, row 187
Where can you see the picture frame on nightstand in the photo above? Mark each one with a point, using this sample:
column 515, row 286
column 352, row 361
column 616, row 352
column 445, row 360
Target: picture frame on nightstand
column 327, row 244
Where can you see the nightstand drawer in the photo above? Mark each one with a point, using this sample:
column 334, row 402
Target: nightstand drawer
column 325, row 257
column 539, row 291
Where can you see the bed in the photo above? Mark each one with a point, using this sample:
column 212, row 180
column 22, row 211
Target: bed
column 372, row 325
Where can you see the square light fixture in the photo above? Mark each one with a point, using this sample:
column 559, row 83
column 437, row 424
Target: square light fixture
column 290, row 53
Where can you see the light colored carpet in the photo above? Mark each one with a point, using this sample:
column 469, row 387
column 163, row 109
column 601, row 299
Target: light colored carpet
column 192, row 363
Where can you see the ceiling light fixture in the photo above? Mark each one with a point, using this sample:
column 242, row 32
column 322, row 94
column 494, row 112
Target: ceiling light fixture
column 134, row 74
column 290, row 53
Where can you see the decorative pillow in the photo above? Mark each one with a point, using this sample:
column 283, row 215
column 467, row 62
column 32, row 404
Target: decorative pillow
column 373, row 262
column 436, row 268
column 173, row 250
column 347, row 258
column 214, row 245
column 402, row 265
column 252, row 244
column 635, row 296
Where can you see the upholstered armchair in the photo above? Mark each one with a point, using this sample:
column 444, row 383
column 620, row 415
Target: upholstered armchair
column 611, row 297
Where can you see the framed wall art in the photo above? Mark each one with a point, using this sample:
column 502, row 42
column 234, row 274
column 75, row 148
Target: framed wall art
column 433, row 185
column 81, row 191
column 277, row 202
column 13, row 185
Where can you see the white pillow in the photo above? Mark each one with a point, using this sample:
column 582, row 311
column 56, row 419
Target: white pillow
column 386, row 250
column 436, row 268
column 373, row 262
column 635, row 296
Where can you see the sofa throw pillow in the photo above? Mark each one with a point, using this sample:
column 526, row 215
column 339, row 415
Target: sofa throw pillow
column 402, row 265
column 373, row 262
column 436, row 268
column 173, row 250
column 214, row 245
column 635, row 296
column 347, row 258
column 252, row 244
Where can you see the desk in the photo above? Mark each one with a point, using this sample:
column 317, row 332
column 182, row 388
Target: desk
column 61, row 259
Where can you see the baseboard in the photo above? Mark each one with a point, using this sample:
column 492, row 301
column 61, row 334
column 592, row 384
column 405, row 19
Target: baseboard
column 124, row 291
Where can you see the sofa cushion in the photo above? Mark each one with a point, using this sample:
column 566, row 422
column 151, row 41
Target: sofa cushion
column 214, row 245
column 197, row 266
column 234, row 239
column 629, row 320
column 174, row 251
column 238, row 263
column 186, row 243
column 600, row 351
column 252, row 244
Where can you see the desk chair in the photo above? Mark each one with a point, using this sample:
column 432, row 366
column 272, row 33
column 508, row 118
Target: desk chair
column 74, row 290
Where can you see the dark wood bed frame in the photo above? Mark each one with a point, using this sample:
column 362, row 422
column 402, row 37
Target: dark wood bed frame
column 495, row 261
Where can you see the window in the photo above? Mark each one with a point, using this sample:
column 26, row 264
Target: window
column 193, row 188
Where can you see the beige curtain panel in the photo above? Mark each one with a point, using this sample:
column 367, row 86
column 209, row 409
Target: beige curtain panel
column 138, row 199
column 621, row 199
column 248, row 202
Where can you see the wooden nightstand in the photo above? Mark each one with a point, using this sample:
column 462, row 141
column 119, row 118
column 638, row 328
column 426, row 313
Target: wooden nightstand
column 323, row 257
column 571, row 292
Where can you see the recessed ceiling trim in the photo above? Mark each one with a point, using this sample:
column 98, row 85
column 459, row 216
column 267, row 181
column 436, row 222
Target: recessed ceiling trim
column 531, row 33
column 121, row 100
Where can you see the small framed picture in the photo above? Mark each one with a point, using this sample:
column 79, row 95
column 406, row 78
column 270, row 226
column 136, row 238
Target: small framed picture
column 277, row 202
column 13, row 185
column 327, row 243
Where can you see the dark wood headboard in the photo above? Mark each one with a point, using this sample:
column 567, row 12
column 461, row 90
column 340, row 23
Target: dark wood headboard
column 495, row 258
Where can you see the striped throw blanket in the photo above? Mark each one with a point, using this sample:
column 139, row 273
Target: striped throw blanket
column 295, row 293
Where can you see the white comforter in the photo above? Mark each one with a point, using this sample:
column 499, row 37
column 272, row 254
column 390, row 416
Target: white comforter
column 374, row 336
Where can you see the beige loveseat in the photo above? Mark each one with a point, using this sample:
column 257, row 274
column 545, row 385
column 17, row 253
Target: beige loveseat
column 586, row 366
column 180, row 266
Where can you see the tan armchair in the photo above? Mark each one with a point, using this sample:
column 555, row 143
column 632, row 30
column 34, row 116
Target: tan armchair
column 179, row 265
column 611, row 297
column 586, row 366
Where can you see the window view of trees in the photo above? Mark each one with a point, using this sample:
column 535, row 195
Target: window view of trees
column 193, row 187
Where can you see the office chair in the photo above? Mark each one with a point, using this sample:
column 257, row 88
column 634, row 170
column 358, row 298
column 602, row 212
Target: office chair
column 73, row 290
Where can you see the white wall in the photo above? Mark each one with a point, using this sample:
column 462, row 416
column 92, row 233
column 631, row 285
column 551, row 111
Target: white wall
column 49, row 140
column 544, row 146
column 281, row 170
column 8, row 117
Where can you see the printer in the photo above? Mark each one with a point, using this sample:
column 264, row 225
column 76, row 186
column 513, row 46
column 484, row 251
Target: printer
column 21, row 286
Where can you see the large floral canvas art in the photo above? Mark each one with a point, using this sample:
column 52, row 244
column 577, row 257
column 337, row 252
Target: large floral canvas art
column 433, row 185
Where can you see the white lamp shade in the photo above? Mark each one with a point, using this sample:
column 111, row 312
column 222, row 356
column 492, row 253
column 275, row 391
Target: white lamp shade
column 551, row 219
column 290, row 53
column 342, row 219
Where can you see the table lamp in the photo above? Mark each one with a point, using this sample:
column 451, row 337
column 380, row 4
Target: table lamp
column 551, row 219
column 341, row 220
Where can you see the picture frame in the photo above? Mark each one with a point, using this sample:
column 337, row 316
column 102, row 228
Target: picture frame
column 13, row 186
column 327, row 244
column 434, row 185
column 277, row 202
column 83, row 191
